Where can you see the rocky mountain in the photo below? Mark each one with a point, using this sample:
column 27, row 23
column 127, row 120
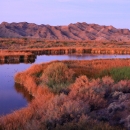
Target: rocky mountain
column 77, row 31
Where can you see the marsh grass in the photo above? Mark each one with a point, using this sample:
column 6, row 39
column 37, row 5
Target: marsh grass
column 103, row 73
column 122, row 73
column 119, row 73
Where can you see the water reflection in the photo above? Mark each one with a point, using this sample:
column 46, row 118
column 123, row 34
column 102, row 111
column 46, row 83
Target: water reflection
column 21, row 89
column 95, row 56
column 12, row 61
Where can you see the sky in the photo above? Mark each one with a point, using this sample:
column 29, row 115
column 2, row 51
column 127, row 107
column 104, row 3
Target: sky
column 64, row 12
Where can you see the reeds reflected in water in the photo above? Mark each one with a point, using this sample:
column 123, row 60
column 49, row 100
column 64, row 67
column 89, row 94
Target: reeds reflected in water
column 21, row 89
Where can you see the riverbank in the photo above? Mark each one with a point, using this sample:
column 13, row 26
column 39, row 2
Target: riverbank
column 9, row 70
column 16, row 57
column 92, row 69
column 69, row 50
column 23, row 46
column 28, row 43
column 29, row 55
column 101, row 103
column 78, row 50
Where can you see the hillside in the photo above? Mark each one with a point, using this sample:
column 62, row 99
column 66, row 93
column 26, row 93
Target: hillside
column 78, row 31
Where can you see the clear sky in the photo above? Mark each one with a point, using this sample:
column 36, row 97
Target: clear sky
column 63, row 12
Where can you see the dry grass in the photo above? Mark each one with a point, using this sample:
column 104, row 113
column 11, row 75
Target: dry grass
column 24, row 43
column 42, row 46
column 94, row 67
column 9, row 53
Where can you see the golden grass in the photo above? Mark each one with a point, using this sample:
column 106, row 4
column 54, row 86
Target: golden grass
column 9, row 53
column 24, row 43
column 42, row 46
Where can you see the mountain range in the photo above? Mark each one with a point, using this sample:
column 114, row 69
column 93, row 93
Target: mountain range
column 77, row 31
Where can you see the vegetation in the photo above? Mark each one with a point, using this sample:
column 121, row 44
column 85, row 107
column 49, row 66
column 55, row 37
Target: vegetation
column 68, row 96
column 57, row 75
column 16, row 57
column 120, row 73
column 25, row 43
column 75, row 109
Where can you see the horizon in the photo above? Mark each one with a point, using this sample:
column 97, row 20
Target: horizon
column 63, row 12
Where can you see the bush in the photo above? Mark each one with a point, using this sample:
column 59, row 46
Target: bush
column 114, row 107
column 57, row 76
column 84, row 90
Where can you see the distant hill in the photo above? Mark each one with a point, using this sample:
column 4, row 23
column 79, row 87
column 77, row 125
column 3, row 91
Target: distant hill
column 77, row 31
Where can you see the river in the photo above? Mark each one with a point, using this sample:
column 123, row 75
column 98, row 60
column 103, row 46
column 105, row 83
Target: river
column 13, row 96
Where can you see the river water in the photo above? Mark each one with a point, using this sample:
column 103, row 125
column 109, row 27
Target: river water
column 13, row 96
